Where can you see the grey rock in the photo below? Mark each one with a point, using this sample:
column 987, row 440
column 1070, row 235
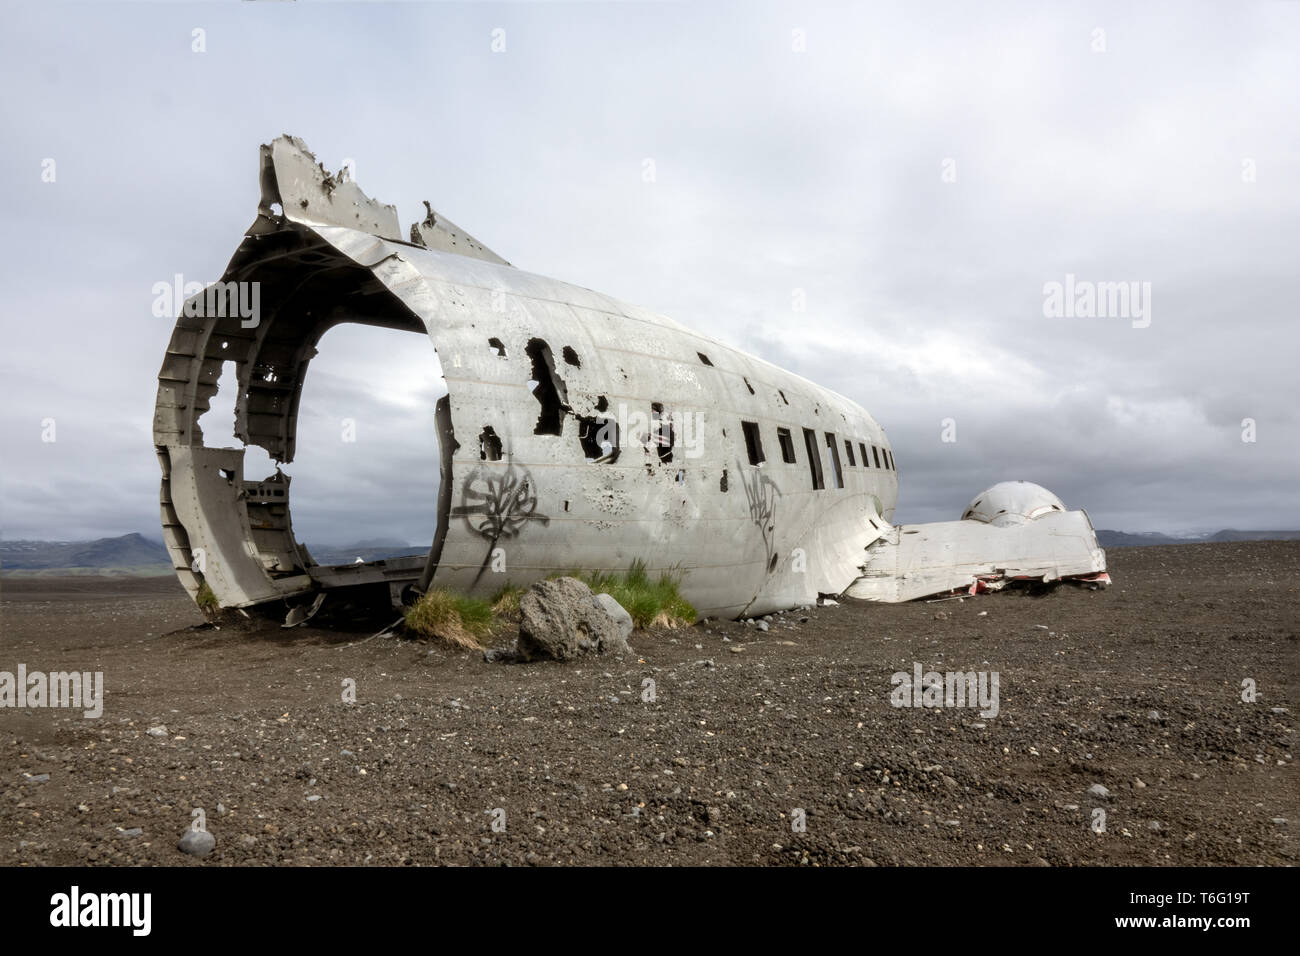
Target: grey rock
column 197, row 843
column 1097, row 790
column 39, row 778
column 131, row 833
column 618, row 613
column 561, row 619
column 763, row 625
column 159, row 731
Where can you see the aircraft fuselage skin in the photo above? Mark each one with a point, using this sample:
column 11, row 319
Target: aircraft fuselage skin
column 577, row 432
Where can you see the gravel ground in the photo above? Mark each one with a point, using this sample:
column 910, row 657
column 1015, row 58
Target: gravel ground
column 444, row 758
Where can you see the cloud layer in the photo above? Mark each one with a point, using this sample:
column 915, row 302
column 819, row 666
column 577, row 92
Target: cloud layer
column 915, row 175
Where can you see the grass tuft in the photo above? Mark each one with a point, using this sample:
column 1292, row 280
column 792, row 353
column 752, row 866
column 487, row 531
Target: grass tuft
column 652, row 602
column 467, row 622
column 505, row 603
column 206, row 600
column 452, row 618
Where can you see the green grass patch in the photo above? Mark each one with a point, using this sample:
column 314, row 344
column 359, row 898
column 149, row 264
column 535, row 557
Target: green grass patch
column 206, row 600
column 505, row 603
column 453, row 618
column 468, row 622
column 652, row 601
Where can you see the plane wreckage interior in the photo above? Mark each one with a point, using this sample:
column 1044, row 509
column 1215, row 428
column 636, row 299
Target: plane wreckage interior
column 362, row 466
column 576, row 432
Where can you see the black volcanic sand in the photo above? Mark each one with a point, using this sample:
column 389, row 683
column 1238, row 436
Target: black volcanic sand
column 746, row 727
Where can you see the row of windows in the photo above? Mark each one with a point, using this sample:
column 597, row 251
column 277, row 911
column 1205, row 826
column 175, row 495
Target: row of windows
column 883, row 457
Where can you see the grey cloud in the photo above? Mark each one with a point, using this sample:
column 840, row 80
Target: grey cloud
column 776, row 171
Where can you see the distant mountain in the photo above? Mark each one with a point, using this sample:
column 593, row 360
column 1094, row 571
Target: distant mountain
column 366, row 551
column 141, row 555
column 1126, row 539
column 136, row 554
column 130, row 551
column 394, row 544
column 1231, row 535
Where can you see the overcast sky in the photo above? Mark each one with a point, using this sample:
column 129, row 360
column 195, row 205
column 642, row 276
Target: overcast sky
column 919, row 171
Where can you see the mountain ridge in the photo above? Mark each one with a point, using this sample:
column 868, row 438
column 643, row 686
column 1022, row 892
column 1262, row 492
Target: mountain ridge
column 137, row 553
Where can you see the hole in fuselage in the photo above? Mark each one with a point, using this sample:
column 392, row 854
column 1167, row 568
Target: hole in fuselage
column 549, row 390
column 599, row 439
column 489, row 444
column 367, row 463
column 662, row 433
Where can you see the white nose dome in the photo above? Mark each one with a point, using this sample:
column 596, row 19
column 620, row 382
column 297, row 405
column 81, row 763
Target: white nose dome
column 1012, row 502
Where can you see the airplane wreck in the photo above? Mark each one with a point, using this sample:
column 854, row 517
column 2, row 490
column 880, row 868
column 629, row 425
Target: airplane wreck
column 577, row 432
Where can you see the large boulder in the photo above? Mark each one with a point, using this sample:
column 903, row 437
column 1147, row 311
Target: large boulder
column 561, row 619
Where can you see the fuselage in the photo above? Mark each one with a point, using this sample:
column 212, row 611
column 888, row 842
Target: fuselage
column 577, row 432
